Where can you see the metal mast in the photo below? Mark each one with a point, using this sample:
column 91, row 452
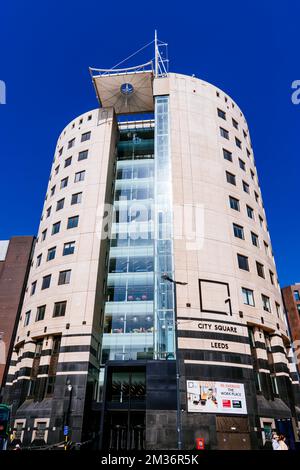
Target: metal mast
column 156, row 54
column 161, row 63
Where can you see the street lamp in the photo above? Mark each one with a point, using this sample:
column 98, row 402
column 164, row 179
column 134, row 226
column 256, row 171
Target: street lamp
column 166, row 277
column 69, row 388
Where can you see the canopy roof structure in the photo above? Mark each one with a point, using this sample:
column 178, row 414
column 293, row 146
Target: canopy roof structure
column 127, row 90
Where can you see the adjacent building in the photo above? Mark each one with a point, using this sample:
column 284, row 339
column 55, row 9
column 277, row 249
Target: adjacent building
column 15, row 258
column 291, row 298
column 156, row 186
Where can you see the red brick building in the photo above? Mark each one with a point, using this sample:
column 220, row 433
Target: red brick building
column 15, row 257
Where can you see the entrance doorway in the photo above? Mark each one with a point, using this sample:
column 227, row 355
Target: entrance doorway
column 124, row 408
column 233, row 433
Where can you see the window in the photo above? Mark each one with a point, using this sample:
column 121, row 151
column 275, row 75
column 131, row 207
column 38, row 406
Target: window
column 227, row 155
column 60, row 151
column 248, row 296
column 296, row 295
column 254, row 239
column 251, row 337
column 55, row 228
column 85, row 136
column 246, row 187
column 250, row 212
column 235, row 123
column 56, row 345
column 271, row 277
column 298, row 308
column 261, row 221
column 245, row 134
column 27, row 318
column 243, row 262
column 221, row 114
column 56, row 169
column 68, row 248
column 73, row 222
column 260, row 269
column 238, row 143
column 51, row 253
column 234, row 203
column 44, row 233
column 50, row 383
column 46, row 282
column 257, row 381
column 83, row 155
column 39, row 345
column 80, row 121
column 76, row 198
column 238, row 231
column 224, row 133
column 40, row 313
column 68, row 161
column 252, row 174
column 38, row 260
column 71, row 143
column 89, row 117
column 248, row 152
column 59, row 309
column 64, row 277
column 48, row 212
column 79, row 176
column 274, row 387
column 266, row 248
column 278, row 310
column 33, row 288
column 242, row 164
column 266, row 303
column 230, row 178
column 52, row 190
column 64, row 183
column 40, row 432
column 60, row 204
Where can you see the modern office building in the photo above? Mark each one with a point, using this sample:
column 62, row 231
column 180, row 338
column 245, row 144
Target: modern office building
column 291, row 298
column 153, row 211
column 15, row 257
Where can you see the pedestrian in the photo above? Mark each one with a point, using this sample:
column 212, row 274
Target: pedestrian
column 275, row 441
column 282, row 443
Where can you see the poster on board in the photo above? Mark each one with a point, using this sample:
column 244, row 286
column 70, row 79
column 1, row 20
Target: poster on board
column 216, row 397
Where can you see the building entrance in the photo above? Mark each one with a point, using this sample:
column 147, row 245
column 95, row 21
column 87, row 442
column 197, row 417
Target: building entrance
column 233, row 433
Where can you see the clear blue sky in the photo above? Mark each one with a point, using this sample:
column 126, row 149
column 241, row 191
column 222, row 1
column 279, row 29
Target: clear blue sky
column 250, row 49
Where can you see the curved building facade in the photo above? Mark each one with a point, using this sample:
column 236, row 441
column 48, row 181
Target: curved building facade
column 153, row 259
column 57, row 342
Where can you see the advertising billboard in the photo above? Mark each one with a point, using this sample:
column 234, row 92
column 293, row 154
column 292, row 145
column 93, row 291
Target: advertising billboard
column 216, row 397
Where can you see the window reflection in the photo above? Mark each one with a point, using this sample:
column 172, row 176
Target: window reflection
column 126, row 353
column 131, row 294
column 131, row 194
column 134, row 239
column 131, row 171
column 136, row 264
column 128, row 323
column 140, row 214
column 125, row 385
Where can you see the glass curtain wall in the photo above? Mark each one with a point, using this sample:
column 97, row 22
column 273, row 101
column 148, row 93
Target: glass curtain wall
column 129, row 320
column 164, row 301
